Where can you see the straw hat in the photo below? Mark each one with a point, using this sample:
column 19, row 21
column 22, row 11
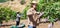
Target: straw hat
column 34, row 2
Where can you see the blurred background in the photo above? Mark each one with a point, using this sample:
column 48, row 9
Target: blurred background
column 8, row 9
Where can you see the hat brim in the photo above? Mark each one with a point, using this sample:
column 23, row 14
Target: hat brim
column 33, row 3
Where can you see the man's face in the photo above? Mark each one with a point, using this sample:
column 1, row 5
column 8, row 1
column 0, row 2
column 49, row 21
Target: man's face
column 34, row 6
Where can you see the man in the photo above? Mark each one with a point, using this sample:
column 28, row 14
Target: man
column 32, row 13
column 17, row 19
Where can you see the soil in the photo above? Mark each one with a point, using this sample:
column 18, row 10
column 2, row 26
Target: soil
column 41, row 25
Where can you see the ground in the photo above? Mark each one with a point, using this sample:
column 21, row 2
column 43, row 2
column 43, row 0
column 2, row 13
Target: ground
column 42, row 25
column 16, row 5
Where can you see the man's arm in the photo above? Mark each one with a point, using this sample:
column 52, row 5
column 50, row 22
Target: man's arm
column 40, row 14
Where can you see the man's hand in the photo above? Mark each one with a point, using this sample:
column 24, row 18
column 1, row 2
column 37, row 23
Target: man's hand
column 41, row 13
column 38, row 13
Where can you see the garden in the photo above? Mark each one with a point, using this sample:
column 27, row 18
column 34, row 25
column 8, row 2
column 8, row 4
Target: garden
column 51, row 9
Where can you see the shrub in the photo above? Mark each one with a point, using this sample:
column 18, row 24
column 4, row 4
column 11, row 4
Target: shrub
column 12, row 0
column 6, row 14
column 3, row 1
column 24, row 12
column 22, row 2
column 50, row 8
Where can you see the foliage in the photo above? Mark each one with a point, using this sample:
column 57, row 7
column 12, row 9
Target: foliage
column 50, row 8
column 31, row 0
column 22, row 2
column 12, row 0
column 6, row 14
column 24, row 12
column 3, row 1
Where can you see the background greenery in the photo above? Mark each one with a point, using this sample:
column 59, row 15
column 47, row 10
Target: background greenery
column 24, row 12
column 22, row 2
column 50, row 8
column 6, row 14
column 3, row 1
